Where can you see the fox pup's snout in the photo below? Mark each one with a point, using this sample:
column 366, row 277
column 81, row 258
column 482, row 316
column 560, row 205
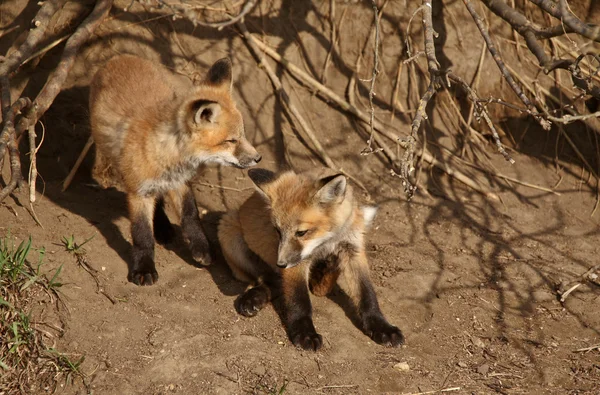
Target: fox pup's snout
column 246, row 155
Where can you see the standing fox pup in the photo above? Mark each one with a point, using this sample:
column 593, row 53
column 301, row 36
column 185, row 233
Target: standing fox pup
column 301, row 232
column 153, row 129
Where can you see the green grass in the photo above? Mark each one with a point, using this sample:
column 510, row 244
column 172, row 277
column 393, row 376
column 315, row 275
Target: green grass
column 27, row 363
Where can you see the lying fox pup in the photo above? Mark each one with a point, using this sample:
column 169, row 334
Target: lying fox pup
column 301, row 232
column 153, row 129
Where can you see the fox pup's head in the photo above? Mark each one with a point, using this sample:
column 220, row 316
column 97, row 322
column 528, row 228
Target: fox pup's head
column 214, row 128
column 306, row 212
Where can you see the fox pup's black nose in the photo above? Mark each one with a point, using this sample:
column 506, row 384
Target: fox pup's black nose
column 258, row 158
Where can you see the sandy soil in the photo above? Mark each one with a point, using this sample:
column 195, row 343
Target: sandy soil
column 472, row 283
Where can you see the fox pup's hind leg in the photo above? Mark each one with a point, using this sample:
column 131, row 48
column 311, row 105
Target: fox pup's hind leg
column 356, row 282
column 163, row 229
column 298, row 310
column 191, row 227
column 141, row 209
column 245, row 266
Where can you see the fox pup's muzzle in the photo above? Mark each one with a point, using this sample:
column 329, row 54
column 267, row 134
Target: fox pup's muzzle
column 245, row 163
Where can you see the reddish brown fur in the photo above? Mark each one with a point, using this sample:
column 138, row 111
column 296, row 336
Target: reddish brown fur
column 152, row 130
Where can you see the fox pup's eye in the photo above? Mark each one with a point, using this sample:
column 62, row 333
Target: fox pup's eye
column 232, row 141
column 301, row 233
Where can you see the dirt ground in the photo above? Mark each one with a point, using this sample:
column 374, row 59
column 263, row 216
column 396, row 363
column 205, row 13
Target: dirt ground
column 472, row 283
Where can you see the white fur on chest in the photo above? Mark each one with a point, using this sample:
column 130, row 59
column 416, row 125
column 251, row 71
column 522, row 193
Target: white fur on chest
column 172, row 178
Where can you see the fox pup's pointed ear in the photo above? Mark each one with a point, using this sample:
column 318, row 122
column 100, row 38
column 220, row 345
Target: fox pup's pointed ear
column 261, row 178
column 220, row 74
column 332, row 189
column 205, row 111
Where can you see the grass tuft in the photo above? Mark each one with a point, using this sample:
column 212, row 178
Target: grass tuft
column 27, row 363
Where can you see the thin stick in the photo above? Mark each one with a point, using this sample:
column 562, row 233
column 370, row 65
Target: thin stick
column 435, row 391
column 369, row 148
column 329, row 95
column 45, row 49
column 338, row 386
column 285, row 97
column 206, row 184
column 56, row 80
column 32, row 164
column 36, row 34
column 468, row 181
column 597, row 346
column 322, row 90
column 80, row 158
column 568, row 291
column 507, row 75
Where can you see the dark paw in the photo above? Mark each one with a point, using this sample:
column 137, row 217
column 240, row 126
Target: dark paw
column 378, row 329
column 201, row 255
column 304, row 335
column 200, row 251
column 144, row 273
column 251, row 302
column 165, row 233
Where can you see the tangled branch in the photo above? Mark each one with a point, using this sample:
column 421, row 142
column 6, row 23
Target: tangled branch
column 31, row 111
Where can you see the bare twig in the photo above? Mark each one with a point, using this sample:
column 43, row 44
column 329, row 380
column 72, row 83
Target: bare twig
column 321, row 90
column 591, row 348
column 435, row 391
column 369, row 148
column 55, row 82
column 8, row 138
column 507, row 75
column 40, row 23
column 181, row 10
column 80, row 158
column 284, row 97
column 560, row 11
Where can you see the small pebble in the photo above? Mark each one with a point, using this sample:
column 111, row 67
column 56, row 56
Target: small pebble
column 483, row 369
column 402, row 367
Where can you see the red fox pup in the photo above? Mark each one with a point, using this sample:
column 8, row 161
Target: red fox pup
column 301, row 232
column 153, row 129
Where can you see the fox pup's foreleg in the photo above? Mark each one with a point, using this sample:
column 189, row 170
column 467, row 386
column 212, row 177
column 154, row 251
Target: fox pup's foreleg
column 356, row 282
column 141, row 212
column 298, row 309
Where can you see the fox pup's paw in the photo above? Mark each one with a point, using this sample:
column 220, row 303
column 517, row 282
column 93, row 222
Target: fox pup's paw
column 145, row 275
column 303, row 334
column 200, row 250
column 252, row 301
column 378, row 329
column 201, row 256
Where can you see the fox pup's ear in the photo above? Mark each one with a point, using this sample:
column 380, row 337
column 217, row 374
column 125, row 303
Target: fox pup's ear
column 332, row 189
column 261, row 178
column 220, row 74
column 205, row 111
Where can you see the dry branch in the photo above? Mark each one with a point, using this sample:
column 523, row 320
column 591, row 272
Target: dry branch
column 55, row 82
column 560, row 11
column 190, row 12
column 285, row 99
column 531, row 33
column 369, row 148
column 498, row 59
column 8, row 138
column 40, row 23
column 321, row 90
